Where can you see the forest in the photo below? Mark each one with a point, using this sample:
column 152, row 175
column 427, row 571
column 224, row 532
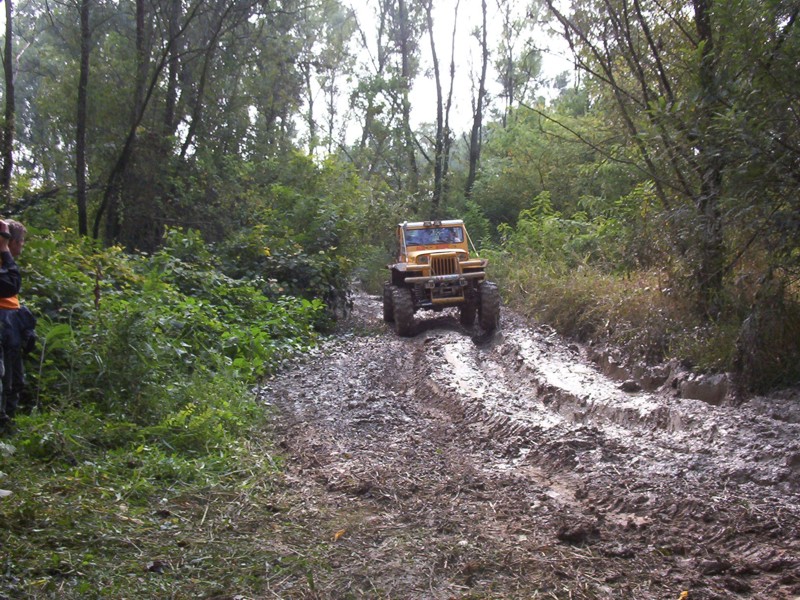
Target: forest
column 205, row 182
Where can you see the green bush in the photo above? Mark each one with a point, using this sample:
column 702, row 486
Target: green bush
column 142, row 391
column 139, row 331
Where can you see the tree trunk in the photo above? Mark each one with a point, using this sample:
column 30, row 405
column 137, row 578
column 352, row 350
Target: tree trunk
column 173, row 65
column 307, row 70
column 477, row 118
column 80, row 129
column 507, row 68
column 710, row 269
column 405, row 74
column 7, row 149
column 438, row 142
column 448, row 138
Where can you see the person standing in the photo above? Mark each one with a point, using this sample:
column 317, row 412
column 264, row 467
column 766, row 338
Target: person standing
column 12, row 239
column 10, row 278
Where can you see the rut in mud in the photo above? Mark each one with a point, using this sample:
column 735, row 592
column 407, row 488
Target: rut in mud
column 447, row 465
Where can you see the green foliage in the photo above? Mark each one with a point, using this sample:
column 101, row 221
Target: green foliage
column 303, row 234
column 141, row 392
column 600, row 180
column 535, row 153
column 478, row 226
column 372, row 272
column 643, row 235
column 544, row 237
column 707, row 122
column 128, row 334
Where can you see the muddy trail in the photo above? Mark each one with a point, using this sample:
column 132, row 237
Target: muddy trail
column 451, row 465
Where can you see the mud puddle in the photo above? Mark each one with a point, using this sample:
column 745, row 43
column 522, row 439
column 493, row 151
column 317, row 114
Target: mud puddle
column 452, row 465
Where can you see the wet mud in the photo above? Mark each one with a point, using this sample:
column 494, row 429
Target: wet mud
column 453, row 464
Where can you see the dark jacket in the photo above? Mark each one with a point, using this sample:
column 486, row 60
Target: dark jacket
column 10, row 279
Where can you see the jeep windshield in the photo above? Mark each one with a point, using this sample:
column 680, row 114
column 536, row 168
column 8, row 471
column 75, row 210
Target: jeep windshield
column 434, row 235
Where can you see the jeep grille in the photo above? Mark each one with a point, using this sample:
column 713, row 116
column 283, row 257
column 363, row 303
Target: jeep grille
column 444, row 265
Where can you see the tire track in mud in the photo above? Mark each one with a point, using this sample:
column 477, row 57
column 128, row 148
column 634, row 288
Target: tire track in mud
column 526, row 381
column 511, row 468
column 693, row 475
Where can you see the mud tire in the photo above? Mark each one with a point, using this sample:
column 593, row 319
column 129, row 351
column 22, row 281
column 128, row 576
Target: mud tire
column 489, row 308
column 403, row 310
column 388, row 303
column 467, row 313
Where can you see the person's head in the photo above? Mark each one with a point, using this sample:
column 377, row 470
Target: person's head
column 17, row 241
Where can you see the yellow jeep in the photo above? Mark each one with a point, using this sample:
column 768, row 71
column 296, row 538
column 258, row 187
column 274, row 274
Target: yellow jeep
column 434, row 270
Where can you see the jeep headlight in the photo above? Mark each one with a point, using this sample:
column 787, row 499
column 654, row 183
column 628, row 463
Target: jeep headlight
column 423, row 260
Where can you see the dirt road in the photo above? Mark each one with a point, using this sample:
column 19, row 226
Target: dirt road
column 450, row 466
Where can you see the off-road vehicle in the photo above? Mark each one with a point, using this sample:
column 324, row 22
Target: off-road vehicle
column 434, row 270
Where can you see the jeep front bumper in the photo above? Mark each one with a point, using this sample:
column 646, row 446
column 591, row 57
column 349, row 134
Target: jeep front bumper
column 432, row 281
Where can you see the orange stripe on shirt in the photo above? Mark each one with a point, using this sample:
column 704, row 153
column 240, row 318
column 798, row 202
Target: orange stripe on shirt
column 11, row 303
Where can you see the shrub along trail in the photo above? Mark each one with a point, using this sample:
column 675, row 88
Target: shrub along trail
column 449, row 466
